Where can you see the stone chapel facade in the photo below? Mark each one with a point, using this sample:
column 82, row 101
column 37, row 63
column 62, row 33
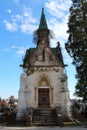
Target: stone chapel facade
column 44, row 82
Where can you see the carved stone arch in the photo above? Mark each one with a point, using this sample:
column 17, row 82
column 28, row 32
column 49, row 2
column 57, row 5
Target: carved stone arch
column 44, row 91
column 43, row 80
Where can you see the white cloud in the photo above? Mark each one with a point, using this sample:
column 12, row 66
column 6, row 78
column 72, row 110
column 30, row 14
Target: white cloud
column 28, row 22
column 19, row 50
column 25, row 21
column 27, row 28
column 59, row 10
column 17, row 1
column 66, row 56
column 17, row 18
column 59, row 28
column 13, row 47
column 9, row 11
column 27, row 14
column 7, row 49
column 11, row 26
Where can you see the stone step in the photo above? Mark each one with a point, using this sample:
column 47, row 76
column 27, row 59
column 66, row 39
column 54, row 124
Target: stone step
column 44, row 124
column 44, row 117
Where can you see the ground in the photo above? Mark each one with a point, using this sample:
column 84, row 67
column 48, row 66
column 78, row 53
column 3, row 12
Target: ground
column 43, row 128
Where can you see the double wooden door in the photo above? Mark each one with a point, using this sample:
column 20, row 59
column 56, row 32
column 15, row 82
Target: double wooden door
column 43, row 97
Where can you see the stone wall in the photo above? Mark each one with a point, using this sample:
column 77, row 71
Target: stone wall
column 52, row 78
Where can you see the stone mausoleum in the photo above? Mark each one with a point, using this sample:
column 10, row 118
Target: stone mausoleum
column 43, row 84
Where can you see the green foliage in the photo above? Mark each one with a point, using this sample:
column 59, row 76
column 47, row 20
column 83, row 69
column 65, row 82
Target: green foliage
column 76, row 45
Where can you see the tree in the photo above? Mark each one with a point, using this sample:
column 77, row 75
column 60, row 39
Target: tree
column 4, row 103
column 11, row 99
column 76, row 45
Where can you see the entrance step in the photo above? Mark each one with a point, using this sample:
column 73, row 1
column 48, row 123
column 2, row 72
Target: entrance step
column 44, row 117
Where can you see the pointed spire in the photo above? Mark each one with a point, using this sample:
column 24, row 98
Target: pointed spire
column 43, row 23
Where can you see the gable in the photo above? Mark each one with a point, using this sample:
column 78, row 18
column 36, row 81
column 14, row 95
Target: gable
column 42, row 57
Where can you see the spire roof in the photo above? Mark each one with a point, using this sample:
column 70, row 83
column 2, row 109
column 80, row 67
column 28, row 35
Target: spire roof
column 43, row 23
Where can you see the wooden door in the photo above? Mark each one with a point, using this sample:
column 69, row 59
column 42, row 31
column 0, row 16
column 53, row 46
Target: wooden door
column 43, row 97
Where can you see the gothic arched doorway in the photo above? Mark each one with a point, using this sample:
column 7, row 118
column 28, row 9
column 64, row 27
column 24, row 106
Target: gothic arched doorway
column 43, row 92
column 43, row 97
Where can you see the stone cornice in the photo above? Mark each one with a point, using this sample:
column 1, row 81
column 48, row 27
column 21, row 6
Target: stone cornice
column 42, row 69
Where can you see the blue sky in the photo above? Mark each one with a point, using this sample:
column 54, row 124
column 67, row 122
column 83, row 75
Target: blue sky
column 18, row 20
